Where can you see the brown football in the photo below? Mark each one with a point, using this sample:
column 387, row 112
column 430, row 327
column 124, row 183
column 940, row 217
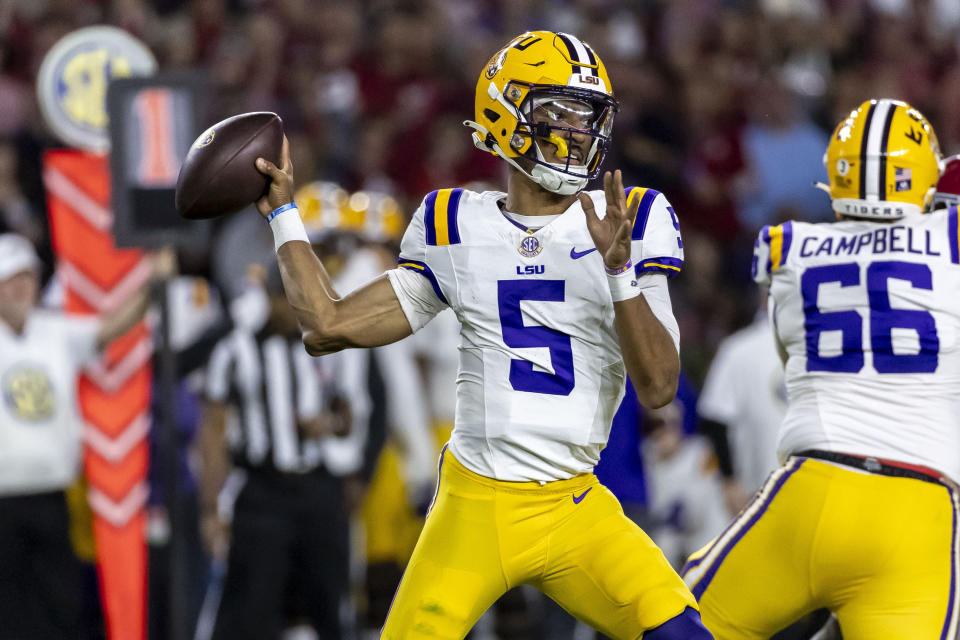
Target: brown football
column 218, row 175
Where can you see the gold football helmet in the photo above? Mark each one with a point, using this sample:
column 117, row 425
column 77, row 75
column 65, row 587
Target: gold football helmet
column 545, row 88
column 882, row 161
column 377, row 214
column 326, row 208
column 323, row 209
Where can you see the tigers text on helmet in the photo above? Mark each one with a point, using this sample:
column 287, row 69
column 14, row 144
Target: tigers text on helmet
column 882, row 161
column 947, row 193
column 546, row 88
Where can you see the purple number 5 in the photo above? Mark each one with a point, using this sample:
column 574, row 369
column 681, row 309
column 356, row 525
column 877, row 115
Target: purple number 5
column 517, row 335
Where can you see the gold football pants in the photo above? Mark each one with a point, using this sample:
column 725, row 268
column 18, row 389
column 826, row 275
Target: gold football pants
column 569, row 539
column 879, row 551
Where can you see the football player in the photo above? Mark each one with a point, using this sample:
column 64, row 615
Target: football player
column 560, row 294
column 862, row 516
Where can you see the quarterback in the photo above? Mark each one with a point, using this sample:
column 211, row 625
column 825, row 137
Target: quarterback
column 862, row 516
column 560, row 294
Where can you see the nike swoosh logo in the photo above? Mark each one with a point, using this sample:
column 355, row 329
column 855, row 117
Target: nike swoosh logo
column 574, row 254
column 578, row 499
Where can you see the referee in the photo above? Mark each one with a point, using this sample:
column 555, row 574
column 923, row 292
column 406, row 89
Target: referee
column 276, row 480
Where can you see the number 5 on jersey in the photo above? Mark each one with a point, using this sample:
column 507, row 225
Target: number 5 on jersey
column 517, row 335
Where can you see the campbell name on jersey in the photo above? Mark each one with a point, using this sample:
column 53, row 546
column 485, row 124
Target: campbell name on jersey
column 540, row 373
column 868, row 315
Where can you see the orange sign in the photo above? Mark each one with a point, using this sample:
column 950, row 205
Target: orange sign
column 114, row 393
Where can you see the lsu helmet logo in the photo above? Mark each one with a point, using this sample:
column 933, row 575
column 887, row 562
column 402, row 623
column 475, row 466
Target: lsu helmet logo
column 74, row 77
column 521, row 43
column 496, row 63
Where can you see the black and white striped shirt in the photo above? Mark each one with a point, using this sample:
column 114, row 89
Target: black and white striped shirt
column 274, row 384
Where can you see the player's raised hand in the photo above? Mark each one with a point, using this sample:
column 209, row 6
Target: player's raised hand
column 611, row 234
column 281, row 182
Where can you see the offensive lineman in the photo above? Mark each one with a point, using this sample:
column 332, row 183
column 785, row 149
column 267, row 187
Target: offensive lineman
column 862, row 516
column 560, row 295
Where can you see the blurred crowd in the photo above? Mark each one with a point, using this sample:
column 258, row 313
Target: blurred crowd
column 725, row 106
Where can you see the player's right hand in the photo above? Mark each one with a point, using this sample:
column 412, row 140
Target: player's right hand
column 281, row 182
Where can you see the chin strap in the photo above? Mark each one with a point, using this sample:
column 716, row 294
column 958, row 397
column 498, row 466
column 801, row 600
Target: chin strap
column 561, row 185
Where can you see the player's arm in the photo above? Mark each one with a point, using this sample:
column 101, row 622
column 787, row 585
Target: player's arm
column 371, row 316
column 368, row 317
column 648, row 350
column 762, row 272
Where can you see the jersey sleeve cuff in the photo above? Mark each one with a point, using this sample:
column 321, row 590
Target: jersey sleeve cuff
column 666, row 265
column 422, row 268
column 414, row 295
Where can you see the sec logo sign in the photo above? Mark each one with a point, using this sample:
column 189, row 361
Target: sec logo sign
column 73, row 80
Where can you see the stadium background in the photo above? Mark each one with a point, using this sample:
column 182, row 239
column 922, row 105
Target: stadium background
column 726, row 106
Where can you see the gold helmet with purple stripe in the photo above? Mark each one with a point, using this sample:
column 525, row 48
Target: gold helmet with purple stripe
column 882, row 161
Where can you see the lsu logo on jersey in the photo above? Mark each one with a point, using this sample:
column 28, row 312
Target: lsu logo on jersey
column 28, row 393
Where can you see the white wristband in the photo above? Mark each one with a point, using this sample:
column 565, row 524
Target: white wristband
column 286, row 225
column 623, row 286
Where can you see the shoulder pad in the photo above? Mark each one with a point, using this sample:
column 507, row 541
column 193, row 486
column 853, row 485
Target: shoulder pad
column 771, row 250
column 645, row 198
column 658, row 247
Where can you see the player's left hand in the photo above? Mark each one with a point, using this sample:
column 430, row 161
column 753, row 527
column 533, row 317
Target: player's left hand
column 611, row 234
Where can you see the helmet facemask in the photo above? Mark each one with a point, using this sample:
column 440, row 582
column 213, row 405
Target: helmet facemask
column 564, row 132
column 943, row 200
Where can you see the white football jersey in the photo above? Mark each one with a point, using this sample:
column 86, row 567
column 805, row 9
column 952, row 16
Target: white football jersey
column 868, row 314
column 540, row 373
column 744, row 390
